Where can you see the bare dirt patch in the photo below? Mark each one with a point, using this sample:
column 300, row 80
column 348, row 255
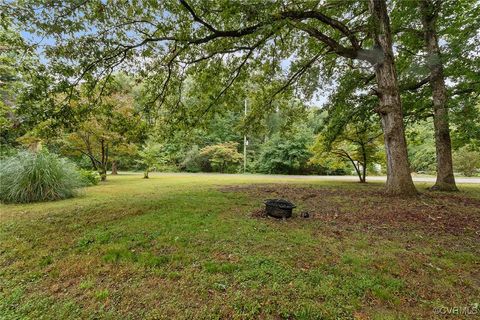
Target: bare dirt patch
column 370, row 208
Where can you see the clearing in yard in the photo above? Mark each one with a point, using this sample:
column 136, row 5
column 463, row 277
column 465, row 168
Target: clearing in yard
column 199, row 246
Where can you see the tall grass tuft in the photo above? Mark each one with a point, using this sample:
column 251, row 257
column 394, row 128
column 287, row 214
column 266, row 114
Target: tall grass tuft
column 42, row 176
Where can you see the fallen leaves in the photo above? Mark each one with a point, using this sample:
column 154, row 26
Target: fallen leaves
column 371, row 209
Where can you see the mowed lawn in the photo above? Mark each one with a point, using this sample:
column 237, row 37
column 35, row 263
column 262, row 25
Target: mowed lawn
column 197, row 246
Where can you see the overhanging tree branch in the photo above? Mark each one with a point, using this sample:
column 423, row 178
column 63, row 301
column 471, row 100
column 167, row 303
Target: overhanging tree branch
column 301, row 15
column 294, row 77
column 415, row 86
column 371, row 56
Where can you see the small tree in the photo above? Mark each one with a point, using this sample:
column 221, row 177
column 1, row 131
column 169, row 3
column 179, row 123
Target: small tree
column 151, row 156
column 222, row 157
column 93, row 140
column 107, row 128
column 359, row 144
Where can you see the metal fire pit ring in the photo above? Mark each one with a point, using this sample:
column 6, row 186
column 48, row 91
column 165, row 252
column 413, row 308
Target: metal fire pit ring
column 279, row 208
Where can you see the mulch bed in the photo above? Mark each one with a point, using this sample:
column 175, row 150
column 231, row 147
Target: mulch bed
column 370, row 207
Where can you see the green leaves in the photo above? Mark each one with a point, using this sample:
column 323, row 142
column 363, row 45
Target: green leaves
column 151, row 155
column 222, row 157
column 287, row 153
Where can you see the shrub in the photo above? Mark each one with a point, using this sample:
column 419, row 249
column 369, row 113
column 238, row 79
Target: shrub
column 43, row 176
column 223, row 157
column 467, row 161
column 193, row 161
column 286, row 154
column 89, row 178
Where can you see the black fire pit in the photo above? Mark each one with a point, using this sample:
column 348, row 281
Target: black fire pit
column 279, row 208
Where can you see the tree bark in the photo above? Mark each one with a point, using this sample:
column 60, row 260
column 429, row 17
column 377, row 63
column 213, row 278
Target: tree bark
column 443, row 145
column 114, row 167
column 104, row 162
column 357, row 170
column 364, row 173
column 399, row 180
column 94, row 164
column 364, row 165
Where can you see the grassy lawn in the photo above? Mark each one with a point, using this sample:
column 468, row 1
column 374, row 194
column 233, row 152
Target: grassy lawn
column 183, row 247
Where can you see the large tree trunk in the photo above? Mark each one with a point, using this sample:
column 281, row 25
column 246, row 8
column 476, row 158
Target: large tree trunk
column 114, row 167
column 445, row 179
column 399, row 180
column 364, row 165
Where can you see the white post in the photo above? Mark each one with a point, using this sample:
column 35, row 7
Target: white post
column 245, row 144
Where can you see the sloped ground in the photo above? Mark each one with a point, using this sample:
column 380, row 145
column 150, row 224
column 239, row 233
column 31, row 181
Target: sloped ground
column 185, row 247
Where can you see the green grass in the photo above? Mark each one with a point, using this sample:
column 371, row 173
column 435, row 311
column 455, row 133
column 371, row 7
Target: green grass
column 180, row 247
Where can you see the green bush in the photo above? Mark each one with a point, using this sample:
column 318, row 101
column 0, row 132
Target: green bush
column 43, row 176
column 223, row 157
column 193, row 160
column 467, row 161
column 286, row 154
column 89, row 178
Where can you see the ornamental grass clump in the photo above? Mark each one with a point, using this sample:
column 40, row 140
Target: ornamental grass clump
column 43, row 176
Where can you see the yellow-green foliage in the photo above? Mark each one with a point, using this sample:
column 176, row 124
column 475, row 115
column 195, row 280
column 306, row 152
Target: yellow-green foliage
column 223, row 157
column 467, row 161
